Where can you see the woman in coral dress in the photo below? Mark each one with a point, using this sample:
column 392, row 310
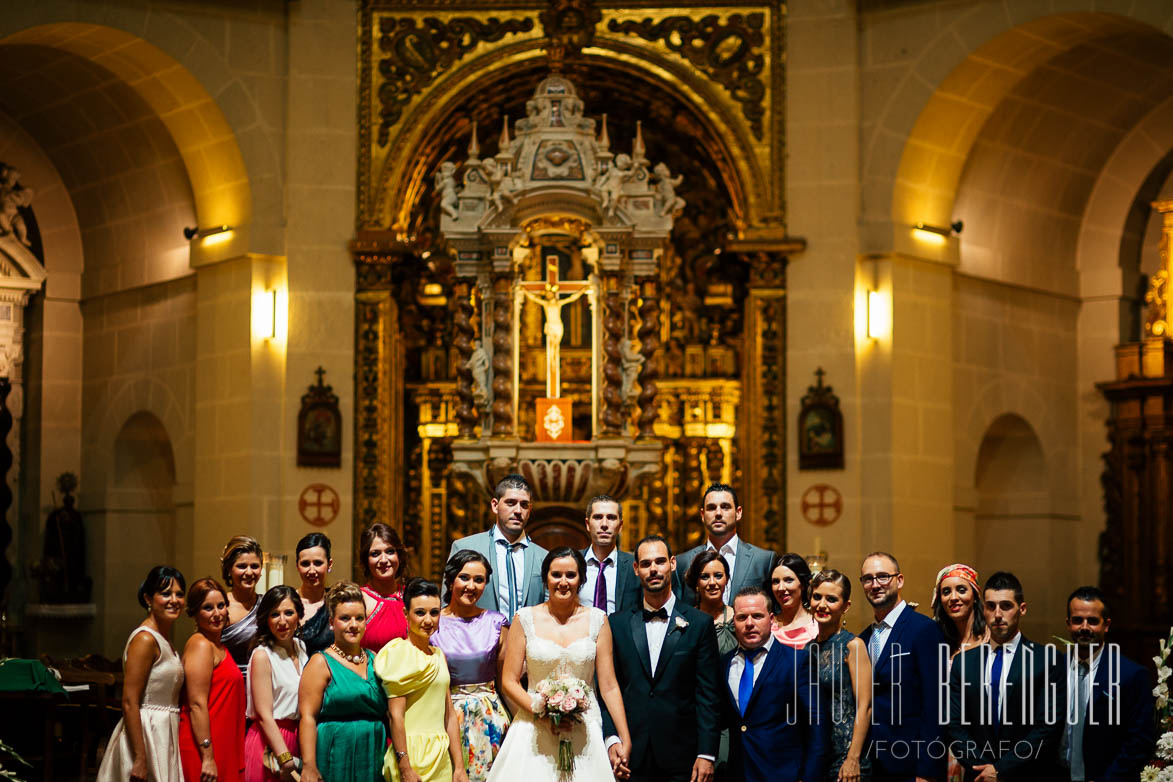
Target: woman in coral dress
column 382, row 556
column 211, row 717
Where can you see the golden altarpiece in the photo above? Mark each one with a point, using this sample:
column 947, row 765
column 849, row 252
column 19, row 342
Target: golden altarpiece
column 575, row 201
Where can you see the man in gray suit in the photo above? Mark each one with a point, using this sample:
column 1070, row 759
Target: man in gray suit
column 610, row 584
column 517, row 560
column 748, row 564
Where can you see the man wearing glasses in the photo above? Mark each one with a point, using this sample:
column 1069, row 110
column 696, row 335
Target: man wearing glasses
column 906, row 736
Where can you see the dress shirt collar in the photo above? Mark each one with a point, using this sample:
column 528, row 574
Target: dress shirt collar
column 1010, row 648
column 730, row 544
column 667, row 606
column 592, row 557
column 498, row 535
column 763, row 648
column 889, row 621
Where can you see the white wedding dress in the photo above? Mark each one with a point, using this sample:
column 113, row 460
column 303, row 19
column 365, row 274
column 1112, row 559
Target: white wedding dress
column 530, row 751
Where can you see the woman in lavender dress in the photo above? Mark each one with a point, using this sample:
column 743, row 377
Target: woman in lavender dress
column 473, row 642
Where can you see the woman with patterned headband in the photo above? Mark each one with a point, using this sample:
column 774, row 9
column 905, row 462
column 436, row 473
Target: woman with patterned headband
column 957, row 609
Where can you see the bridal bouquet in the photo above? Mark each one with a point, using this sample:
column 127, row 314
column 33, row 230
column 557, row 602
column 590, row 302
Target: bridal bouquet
column 562, row 698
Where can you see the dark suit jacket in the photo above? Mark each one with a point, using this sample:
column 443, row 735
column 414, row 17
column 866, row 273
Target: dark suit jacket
column 784, row 733
column 1119, row 732
column 628, row 592
column 1024, row 745
column 752, row 567
column 533, row 591
column 675, row 715
column 905, row 681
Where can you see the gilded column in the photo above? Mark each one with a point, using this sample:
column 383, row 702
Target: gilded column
column 764, row 401
column 503, row 424
column 649, row 347
column 613, row 335
column 464, row 335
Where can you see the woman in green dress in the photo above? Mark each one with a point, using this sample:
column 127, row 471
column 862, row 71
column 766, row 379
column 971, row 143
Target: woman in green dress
column 343, row 710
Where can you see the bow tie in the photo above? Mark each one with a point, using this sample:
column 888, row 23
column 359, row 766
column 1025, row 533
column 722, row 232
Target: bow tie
column 659, row 613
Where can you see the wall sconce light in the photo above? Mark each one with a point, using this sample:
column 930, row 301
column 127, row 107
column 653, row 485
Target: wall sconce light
column 265, row 314
column 935, row 234
column 879, row 315
column 195, row 232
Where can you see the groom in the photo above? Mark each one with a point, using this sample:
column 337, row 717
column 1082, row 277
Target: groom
column 668, row 670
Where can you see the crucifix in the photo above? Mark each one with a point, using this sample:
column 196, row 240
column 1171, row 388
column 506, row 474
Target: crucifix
column 552, row 295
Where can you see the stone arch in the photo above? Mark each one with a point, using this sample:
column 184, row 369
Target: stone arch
column 144, row 395
column 926, row 129
column 1003, row 397
column 198, row 127
column 399, row 184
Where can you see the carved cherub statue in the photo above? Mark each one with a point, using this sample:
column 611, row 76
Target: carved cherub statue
column 632, row 362
column 446, row 184
column 667, row 202
column 611, row 183
column 501, row 184
column 13, row 195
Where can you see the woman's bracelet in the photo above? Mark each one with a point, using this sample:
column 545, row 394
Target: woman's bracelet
column 284, row 758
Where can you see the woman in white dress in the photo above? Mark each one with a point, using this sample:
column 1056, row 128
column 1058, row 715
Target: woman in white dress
column 564, row 638
column 145, row 743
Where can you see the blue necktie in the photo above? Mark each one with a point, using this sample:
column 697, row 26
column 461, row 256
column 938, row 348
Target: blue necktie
column 745, row 686
column 996, row 684
column 510, row 577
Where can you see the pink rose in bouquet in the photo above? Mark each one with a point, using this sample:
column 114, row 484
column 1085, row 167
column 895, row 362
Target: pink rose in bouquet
column 562, row 699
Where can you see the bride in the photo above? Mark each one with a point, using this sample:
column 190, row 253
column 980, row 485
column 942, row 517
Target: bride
column 559, row 637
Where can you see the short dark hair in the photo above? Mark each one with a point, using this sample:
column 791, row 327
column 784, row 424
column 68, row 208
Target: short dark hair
column 233, row 549
column 754, row 589
column 512, row 481
column 313, row 540
column 200, row 589
column 1090, row 594
column 718, row 486
column 885, row 555
column 1004, row 580
column 388, row 535
column 832, row 576
column 697, row 566
column 269, row 602
column 651, row 539
column 159, row 578
column 419, row 587
column 559, row 553
column 799, row 567
column 603, row 498
column 456, row 564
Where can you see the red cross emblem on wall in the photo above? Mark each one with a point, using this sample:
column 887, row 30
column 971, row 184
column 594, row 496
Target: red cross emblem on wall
column 318, row 504
column 822, row 504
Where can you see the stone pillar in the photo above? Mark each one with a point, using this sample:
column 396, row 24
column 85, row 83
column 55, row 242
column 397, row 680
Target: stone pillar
column 467, row 414
column 503, row 370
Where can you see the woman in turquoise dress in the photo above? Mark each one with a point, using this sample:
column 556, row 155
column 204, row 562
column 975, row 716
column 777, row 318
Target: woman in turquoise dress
column 343, row 729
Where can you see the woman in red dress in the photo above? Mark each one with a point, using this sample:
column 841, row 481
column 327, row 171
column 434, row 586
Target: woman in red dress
column 211, row 716
column 383, row 558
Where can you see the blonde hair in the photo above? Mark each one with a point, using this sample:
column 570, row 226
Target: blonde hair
column 237, row 545
column 343, row 592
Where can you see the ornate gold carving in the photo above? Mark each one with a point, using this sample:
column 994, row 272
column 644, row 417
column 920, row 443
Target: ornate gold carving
column 569, row 26
column 416, row 51
column 729, row 53
column 1156, row 322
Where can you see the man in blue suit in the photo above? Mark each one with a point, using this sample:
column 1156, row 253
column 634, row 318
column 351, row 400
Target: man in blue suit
column 776, row 728
column 906, row 736
column 516, row 560
column 610, row 584
column 748, row 564
column 1110, row 732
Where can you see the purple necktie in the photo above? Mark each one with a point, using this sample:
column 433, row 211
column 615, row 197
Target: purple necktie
column 601, row 588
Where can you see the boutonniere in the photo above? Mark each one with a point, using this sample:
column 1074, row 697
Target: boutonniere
column 681, row 623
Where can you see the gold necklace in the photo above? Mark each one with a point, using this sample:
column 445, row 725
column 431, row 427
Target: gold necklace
column 356, row 659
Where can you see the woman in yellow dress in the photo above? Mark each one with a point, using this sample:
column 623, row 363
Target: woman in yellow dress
column 425, row 737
